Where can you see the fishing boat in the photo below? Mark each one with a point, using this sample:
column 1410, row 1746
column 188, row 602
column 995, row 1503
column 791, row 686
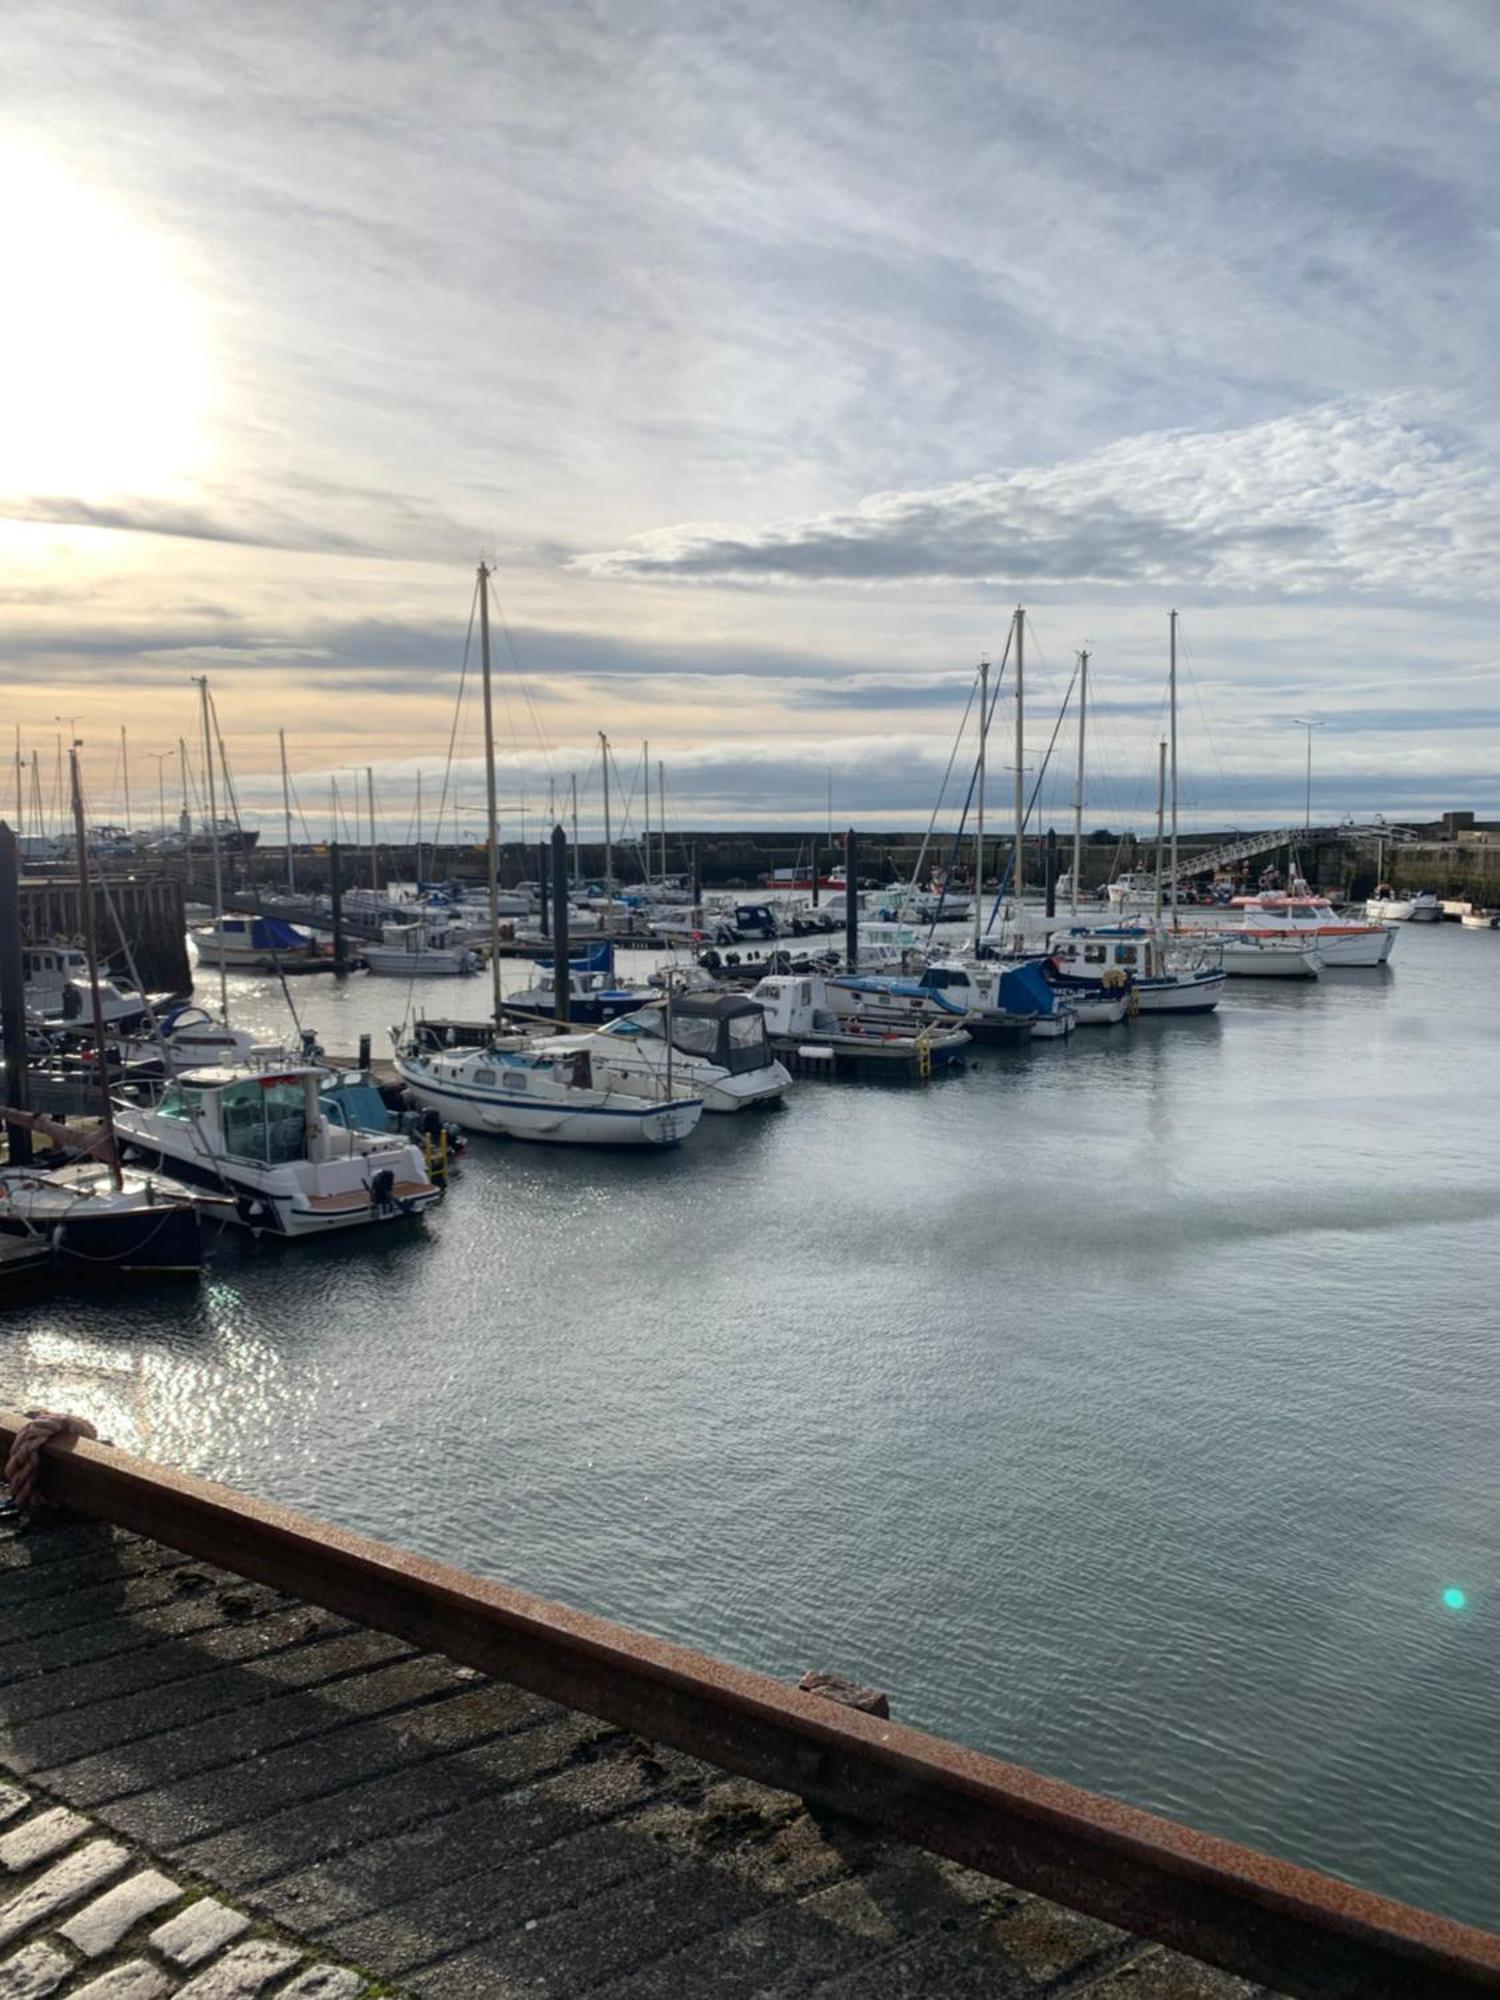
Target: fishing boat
column 720, row 1050
column 593, row 995
column 260, row 1136
column 420, row 950
column 516, row 1088
column 56, row 981
column 801, row 1022
column 1341, row 941
column 260, row 944
column 1018, row 1002
column 1176, row 977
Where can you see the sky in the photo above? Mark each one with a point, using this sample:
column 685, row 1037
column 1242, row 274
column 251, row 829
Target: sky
column 771, row 356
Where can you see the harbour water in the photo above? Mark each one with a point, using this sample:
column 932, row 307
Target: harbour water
column 1124, row 1407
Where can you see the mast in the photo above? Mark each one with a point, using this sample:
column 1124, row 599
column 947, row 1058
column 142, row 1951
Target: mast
column 86, row 903
column 1172, row 680
column 1161, row 805
column 984, row 730
column 1018, row 872
column 213, row 841
column 1083, row 716
column 286, row 808
column 609, row 851
column 20, row 800
column 491, row 810
column 661, row 800
column 646, row 826
column 125, row 774
column 187, row 810
column 374, row 849
column 576, row 863
column 419, row 830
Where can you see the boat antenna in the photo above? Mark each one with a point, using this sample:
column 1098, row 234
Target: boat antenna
column 86, row 903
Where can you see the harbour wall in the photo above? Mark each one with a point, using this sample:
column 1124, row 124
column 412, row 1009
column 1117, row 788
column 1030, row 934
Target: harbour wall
column 141, row 911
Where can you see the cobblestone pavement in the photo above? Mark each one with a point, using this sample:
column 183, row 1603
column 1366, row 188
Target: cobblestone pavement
column 85, row 1918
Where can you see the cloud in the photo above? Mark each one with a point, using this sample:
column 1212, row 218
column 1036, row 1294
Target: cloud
column 1350, row 497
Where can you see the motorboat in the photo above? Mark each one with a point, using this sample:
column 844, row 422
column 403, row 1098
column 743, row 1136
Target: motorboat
column 419, row 950
column 99, row 1222
column 593, row 995
column 1251, row 956
column 57, row 990
column 189, row 1037
column 1426, row 908
column 801, row 1022
column 1133, row 890
column 1341, row 941
column 260, row 944
column 1480, row 920
column 513, row 1087
column 260, row 1137
column 719, row 1049
column 1175, row 977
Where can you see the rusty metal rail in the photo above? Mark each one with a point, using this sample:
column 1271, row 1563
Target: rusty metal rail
column 1265, row 1919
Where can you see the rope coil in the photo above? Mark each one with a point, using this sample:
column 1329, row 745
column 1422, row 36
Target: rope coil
column 23, row 1466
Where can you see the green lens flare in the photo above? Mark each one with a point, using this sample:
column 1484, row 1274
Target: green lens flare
column 1454, row 1598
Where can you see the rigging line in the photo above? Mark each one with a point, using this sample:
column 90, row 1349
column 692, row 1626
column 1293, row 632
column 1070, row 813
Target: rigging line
column 1026, row 816
column 958, row 837
column 458, row 704
column 234, row 807
column 522, row 681
column 916, row 874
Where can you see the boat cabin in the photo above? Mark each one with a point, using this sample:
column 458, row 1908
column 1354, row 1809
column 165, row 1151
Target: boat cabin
column 270, row 1119
column 724, row 1028
column 48, row 968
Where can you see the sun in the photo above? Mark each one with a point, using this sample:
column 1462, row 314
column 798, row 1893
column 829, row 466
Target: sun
column 103, row 349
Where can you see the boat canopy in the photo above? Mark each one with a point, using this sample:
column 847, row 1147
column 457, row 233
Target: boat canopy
column 1024, row 989
column 723, row 1028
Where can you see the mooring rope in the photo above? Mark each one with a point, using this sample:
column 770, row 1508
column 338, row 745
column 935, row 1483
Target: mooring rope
column 23, row 1465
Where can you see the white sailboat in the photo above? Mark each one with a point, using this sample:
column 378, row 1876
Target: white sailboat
column 507, row 1085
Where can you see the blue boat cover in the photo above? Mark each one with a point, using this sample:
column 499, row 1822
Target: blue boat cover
column 1023, row 989
column 276, row 934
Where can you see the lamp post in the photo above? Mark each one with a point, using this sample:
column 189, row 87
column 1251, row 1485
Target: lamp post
column 1299, row 722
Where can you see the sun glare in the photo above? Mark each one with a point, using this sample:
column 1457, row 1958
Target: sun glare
column 103, row 364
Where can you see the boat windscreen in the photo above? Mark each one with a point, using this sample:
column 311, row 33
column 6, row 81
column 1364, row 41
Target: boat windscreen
column 746, row 1047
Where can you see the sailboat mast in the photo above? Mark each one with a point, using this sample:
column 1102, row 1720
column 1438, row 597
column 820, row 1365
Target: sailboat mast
column 186, row 809
column 1018, row 869
column 213, row 841
column 86, row 910
column 646, row 835
column 609, row 849
column 661, row 800
column 286, row 809
column 419, row 830
column 1083, row 716
column 374, row 849
column 125, row 774
column 576, row 862
column 984, row 730
column 491, row 808
column 20, row 801
column 1161, row 806
column 1172, row 678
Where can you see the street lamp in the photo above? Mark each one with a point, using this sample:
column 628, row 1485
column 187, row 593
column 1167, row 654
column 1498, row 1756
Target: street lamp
column 1300, row 722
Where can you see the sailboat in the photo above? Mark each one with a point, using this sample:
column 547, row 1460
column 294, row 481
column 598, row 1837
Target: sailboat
column 511, row 1085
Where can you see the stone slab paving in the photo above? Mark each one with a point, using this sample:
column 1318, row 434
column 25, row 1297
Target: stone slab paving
column 208, row 1792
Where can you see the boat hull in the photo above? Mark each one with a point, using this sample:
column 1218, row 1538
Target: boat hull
column 104, row 1237
column 1272, row 961
column 510, row 1117
column 280, row 1211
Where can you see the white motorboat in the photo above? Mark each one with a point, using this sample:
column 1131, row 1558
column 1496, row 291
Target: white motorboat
column 1480, row 920
column 97, row 1227
column 57, row 990
column 1246, row 956
column 1341, row 941
column 1426, row 908
column 260, row 944
column 260, row 1137
column 419, row 950
column 520, row 1089
column 801, row 1021
column 1134, row 890
column 719, row 1049
column 189, row 1037
column 1176, row 977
